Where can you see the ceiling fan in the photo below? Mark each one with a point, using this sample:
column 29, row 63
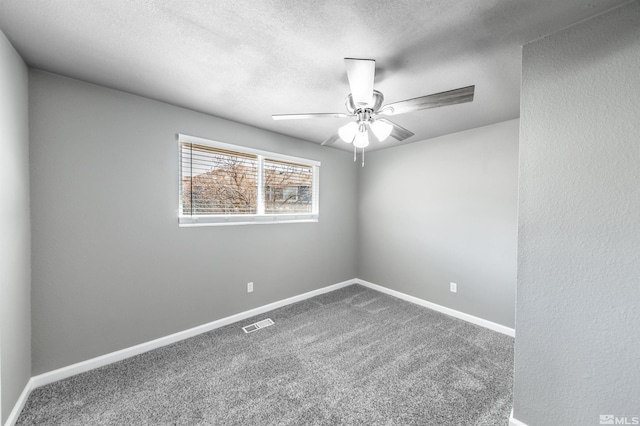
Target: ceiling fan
column 365, row 104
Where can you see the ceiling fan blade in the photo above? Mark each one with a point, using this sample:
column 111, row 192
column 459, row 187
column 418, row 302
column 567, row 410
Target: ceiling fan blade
column 331, row 139
column 308, row 115
column 398, row 132
column 361, row 73
column 451, row 97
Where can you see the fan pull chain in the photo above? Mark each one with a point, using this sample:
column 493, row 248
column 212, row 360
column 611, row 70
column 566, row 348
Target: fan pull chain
column 354, row 153
column 362, row 157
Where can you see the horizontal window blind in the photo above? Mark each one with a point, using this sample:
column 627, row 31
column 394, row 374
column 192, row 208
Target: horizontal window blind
column 217, row 181
column 288, row 187
column 219, row 184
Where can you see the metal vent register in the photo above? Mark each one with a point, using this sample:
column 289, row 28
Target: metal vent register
column 257, row 325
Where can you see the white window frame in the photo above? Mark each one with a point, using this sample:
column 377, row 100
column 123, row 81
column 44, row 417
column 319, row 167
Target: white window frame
column 260, row 217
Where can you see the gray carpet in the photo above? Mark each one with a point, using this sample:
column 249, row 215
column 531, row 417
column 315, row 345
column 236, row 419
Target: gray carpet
column 350, row 357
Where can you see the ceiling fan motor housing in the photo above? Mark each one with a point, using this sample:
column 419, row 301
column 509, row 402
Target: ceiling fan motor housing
column 352, row 109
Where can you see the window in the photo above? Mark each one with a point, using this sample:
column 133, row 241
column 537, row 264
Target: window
column 227, row 184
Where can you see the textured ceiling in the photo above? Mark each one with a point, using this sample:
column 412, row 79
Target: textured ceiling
column 245, row 60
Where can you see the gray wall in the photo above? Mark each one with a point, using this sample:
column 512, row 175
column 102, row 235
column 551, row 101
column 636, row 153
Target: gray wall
column 111, row 267
column 15, row 240
column 444, row 210
column 578, row 345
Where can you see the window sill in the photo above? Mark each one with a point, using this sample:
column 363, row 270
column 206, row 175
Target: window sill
column 191, row 221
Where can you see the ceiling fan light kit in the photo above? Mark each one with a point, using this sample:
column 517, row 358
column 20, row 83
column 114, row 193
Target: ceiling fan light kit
column 362, row 137
column 381, row 129
column 348, row 132
column 365, row 104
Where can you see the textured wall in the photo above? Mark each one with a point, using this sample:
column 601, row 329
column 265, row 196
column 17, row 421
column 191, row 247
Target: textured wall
column 15, row 240
column 444, row 210
column 578, row 344
column 111, row 267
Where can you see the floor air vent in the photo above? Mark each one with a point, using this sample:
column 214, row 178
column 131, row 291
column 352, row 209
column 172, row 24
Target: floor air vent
column 257, row 325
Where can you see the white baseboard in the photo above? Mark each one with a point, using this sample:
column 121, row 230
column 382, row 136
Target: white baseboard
column 452, row 312
column 515, row 422
column 22, row 399
column 110, row 358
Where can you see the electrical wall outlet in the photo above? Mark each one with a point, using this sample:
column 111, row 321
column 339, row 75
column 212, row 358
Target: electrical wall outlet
column 250, row 287
column 453, row 287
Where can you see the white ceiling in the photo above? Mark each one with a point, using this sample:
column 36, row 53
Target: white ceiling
column 245, row 60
